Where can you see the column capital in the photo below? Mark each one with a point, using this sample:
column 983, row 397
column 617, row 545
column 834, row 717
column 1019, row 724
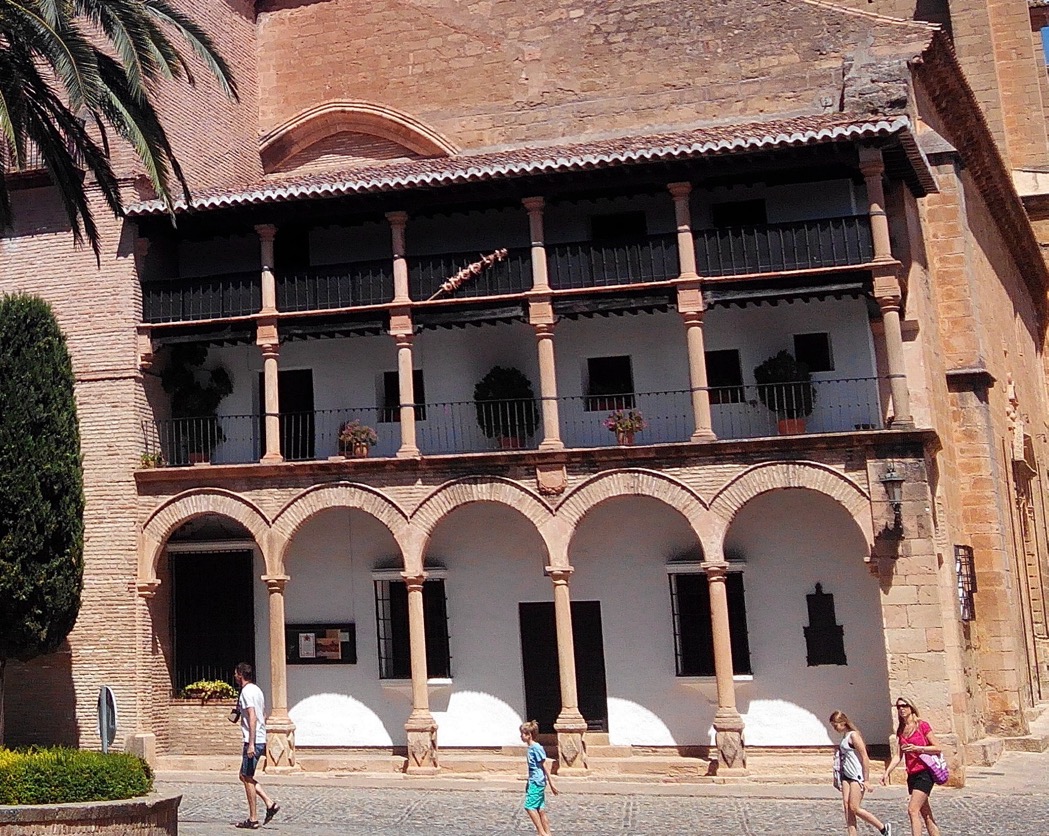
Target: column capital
column 147, row 589
column 533, row 204
column 871, row 162
column 402, row 339
column 397, row 219
column 544, row 330
column 266, row 232
column 693, row 318
column 560, row 574
column 716, row 571
column 275, row 583
column 679, row 190
column 413, row 580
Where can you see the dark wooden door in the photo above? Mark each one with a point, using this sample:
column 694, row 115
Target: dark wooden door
column 541, row 673
column 297, row 420
column 214, row 614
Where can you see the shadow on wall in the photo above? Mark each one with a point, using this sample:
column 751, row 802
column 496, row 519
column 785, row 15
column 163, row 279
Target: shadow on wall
column 40, row 702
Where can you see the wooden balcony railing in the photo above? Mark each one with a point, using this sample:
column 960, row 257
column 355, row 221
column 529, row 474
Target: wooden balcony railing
column 213, row 297
column 586, row 264
column 335, row 286
column 772, row 248
column 775, row 248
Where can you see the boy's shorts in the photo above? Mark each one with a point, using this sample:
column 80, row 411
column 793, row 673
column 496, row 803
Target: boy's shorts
column 535, row 796
column 248, row 765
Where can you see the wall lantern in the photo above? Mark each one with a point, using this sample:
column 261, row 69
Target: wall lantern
column 893, row 483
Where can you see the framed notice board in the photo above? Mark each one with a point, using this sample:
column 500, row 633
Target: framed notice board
column 320, row 644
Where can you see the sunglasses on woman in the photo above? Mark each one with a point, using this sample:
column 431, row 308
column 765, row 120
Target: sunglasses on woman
column 902, row 705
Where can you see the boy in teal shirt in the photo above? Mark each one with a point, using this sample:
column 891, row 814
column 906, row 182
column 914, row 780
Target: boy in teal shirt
column 538, row 778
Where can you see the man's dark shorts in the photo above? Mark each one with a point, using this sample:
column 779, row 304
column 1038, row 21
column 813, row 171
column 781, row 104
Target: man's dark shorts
column 247, row 765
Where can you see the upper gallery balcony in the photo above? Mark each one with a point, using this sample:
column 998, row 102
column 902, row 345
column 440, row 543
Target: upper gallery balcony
column 605, row 242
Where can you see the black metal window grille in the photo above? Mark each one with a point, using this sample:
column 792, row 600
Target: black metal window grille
column 724, row 376
column 390, row 411
column 693, row 632
column 965, row 568
column 391, row 618
column 610, row 384
column 824, row 637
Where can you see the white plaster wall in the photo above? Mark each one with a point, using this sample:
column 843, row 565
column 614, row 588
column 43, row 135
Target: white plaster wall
column 495, row 560
column 330, row 562
column 790, row 540
column 620, row 552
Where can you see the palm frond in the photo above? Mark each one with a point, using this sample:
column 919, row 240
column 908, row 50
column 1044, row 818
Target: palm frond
column 199, row 41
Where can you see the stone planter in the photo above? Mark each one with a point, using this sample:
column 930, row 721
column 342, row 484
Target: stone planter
column 150, row 815
column 196, row 728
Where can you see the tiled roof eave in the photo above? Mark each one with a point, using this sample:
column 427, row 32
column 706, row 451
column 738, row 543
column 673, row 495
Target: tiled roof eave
column 581, row 157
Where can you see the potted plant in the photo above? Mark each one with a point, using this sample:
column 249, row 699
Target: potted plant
column 148, row 461
column 356, row 438
column 625, row 423
column 505, row 404
column 196, row 393
column 208, row 689
column 785, row 387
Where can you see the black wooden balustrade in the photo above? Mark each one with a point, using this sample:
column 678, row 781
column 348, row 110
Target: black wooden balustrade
column 335, row 286
column 426, row 273
column 210, row 297
column 586, row 264
column 774, row 248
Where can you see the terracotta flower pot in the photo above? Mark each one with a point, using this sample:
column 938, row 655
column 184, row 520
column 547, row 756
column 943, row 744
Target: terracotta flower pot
column 360, row 451
column 625, row 438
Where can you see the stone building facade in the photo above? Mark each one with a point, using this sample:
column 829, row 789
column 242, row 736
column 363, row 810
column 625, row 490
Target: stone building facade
column 656, row 198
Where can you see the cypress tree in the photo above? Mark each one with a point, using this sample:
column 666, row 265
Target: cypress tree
column 41, row 485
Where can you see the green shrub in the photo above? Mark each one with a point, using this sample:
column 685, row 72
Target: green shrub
column 64, row 776
column 209, row 689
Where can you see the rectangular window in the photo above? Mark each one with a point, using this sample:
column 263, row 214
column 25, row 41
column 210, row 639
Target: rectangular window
column 620, row 228
column 739, row 213
column 824, row 637
column 965, row 568
column 391, row 616
column 693, row 634
column 390, row 412
column 610, row 384
column 724, row 376
column 814, row 351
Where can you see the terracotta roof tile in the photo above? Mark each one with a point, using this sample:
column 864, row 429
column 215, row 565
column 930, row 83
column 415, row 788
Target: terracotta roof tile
column 423, row 173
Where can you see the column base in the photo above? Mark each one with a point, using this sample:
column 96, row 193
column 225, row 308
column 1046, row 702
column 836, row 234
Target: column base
column 408, row 453
column 907, row 424
column 728, row 737
column 280, row 746
column 422, row 746
column 272, row 458
column 571, row 746
column 551, row 444
column 704, row 435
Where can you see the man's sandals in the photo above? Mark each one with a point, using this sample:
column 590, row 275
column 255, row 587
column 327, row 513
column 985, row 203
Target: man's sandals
column 248, row 824
column 271, row 812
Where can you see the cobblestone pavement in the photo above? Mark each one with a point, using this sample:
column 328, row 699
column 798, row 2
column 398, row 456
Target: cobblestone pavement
column 990, row 807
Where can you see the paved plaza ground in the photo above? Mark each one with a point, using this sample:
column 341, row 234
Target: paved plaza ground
column 1009, row 799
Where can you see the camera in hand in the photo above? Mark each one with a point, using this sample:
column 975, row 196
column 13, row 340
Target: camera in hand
column 234, row 714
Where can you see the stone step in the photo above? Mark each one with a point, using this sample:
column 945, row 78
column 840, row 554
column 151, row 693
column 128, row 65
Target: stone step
column 1027, row 743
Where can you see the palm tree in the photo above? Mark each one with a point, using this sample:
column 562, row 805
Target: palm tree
column 71, row 72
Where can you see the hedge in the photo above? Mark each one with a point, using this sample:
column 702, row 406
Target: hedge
column 63, row 776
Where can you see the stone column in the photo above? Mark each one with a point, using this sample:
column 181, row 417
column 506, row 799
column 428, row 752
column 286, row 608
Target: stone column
column 267, row 341
column 406, row 391
column 887, row 289
column 690, row 306
column 540, row 277
column 728, row 724
column 570, row 725
column 544, row 334
column 398, row 222
column 267, row 233
column 280, row 730
column 420, row 728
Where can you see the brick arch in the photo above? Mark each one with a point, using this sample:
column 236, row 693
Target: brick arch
column 468, row 490
column 638, row 482
column 313, row 501
column 190, row 505
column 318, row 123
column 812, row 476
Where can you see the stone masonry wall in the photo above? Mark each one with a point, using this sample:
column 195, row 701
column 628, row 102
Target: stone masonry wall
column 497, row 74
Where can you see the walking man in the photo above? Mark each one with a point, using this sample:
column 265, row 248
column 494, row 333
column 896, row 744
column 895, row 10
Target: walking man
column 252, row 708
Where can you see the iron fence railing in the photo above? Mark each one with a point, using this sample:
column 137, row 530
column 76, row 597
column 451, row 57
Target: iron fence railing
column 737, row 412
column 335, row 286
column 769, row 248
column 211, row 297
column 586, row 264
column 842, row 405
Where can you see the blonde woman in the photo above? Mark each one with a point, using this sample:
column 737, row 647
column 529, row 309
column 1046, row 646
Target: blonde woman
column 852, row 766
column 915, row 738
